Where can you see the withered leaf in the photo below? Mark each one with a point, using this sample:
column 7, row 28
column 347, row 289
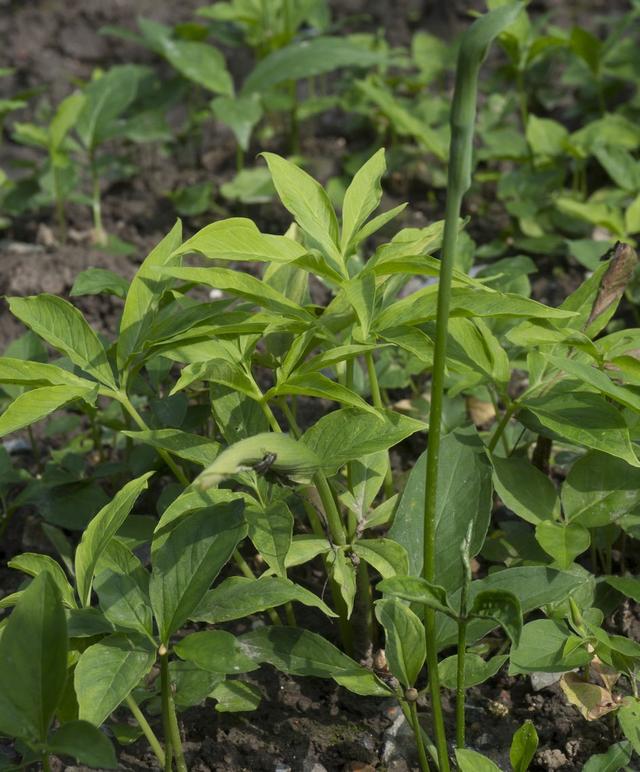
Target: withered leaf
column 614, row 281
column 591, row 700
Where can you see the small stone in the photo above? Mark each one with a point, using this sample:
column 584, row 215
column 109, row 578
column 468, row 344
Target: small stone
column 484, row 740
column 359, row 766
column 280, row 767
column 551, row 758
column 544, row 680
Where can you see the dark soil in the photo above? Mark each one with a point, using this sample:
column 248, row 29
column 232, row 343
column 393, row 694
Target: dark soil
column 303, row 725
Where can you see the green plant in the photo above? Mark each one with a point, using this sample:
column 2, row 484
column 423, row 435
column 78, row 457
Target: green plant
column 120, row 104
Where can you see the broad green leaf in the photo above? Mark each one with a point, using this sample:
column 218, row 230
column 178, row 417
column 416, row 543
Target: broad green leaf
column 600, row 489
column 143, row 297
column 100, row 531
column 588, row 47
column 190, row 447
column 108, row 671
column 307, row 202
column 318, row 385
column 620, row 165
column 235, row 696
column 525, row 489
column 66, row 329
column 421, row 307
column 307, row 58
column 342, row 572
column 598, row 379
column 123, row 602
column 360, row 291
column 616, row 758
column 87, row 623
column 563, row 541
column 546, row 138
column 291, row 456
column 329, row 358
column 301, row 652
column 472, row 342
column 503, row 607
column 542, row 649
column 33, row 564
column 33, row 661
column 582, row 418
column 99, row 281
column 367, row 477
column 534, row 586
column 361, row 199
column 305, row 547
column 404, row 640
column 191, row 685
column 523, row 747
column 241, row 114
column 417, row 590
column 199, row 62
column 271, row 531
column 627, row 585
column 377, row 222
column 187, row 563
column 632, row 216
column 476, row 669
column 105, row 100
column 239, row 597
column 594, row 212
column 85, row 743
column 64, row 119
column 472, row 761
column 215, row 370
column 348, row 434
column 629, row 720
column 216, row 651
column 243, row 285
column 33, row 405
column 26, row 373
column 385, row 555
column 464, row 496
column 238, row 239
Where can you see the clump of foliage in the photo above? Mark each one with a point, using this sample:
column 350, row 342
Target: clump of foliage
column 195, row 408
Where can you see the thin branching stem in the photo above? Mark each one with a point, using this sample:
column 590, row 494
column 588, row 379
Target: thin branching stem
column 146, row 728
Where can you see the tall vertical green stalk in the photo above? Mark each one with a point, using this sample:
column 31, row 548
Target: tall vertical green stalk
column 473, row 48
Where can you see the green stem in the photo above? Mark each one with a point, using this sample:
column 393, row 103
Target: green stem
column 462, row 644
column 268, row 412
column 96, row 201
column 454, row 201
column 176, row 740
column 504, row 422
column 376, row 398
column 166, row 708
column 473, row 48
column 46, row 767
column 35, row 449
column 334, row 521
column 417, row 731
column 169, row 718
column 146, row 728
column 60, row 213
